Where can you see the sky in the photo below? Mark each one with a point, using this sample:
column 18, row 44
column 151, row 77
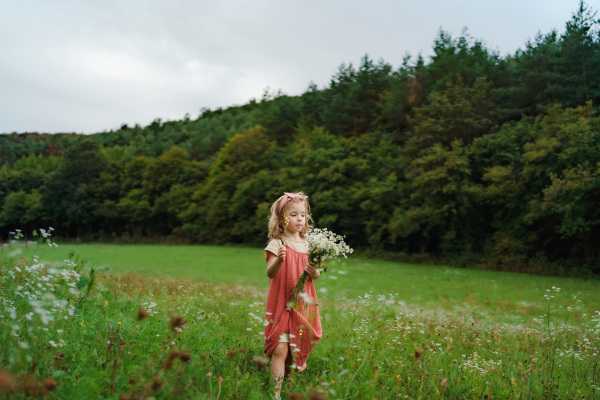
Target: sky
column 91, row 66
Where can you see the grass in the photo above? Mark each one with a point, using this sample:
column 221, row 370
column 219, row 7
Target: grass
column 390, row 330
column 508, row 296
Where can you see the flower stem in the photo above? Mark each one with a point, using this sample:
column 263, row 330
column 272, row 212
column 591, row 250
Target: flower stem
column 295, row 295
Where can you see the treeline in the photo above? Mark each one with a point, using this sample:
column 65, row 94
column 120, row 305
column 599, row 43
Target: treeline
column 472, row 157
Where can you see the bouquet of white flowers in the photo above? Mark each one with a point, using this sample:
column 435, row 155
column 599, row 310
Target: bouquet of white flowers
column 323, row 245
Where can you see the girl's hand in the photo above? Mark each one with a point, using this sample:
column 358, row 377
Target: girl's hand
column 281, row 254
column 312, row 271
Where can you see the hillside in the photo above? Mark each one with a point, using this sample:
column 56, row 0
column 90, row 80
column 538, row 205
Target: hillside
column 470, row 157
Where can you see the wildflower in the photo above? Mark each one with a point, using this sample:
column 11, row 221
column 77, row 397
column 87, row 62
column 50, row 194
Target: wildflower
column 286, row 223
column 323, row 245
column 306, row 298
column 443, row 383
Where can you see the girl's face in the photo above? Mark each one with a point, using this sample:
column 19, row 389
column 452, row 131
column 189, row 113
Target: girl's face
column 297, row 217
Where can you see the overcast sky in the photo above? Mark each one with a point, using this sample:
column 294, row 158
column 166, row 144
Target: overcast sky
column 90, row 66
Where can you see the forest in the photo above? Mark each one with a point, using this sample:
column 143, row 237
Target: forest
column 469, row 157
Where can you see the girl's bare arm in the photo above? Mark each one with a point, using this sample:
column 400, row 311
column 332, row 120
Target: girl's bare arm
column 274, row 262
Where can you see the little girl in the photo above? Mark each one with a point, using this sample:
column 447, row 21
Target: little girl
column 291, row 333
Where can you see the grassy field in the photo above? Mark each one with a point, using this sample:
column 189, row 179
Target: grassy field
column 390, row 330
column 501, row 294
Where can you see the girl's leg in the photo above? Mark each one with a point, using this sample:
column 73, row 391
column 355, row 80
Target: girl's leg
column 278, row 366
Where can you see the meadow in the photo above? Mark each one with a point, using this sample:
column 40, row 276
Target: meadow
column 154, row 321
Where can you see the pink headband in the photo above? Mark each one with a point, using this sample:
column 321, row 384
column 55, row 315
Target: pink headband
column 290, row 196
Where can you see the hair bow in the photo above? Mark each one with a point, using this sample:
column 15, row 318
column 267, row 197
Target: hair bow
column 290, row 196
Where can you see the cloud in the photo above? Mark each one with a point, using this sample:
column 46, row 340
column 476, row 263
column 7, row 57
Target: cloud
column 70, row 65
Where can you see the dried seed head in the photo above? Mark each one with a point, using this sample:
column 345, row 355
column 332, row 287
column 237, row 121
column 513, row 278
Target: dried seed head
column 317, row 395
column 170, row 360
column 418, row 353
column 297, row 396
column 31, row 386
column 7, row 383
column 157, row 383
column 231, row 353
column 50, row 385
column 184, row 356
column 177, row 321
column 260, row 362
column 142, row 314
column 220, row 380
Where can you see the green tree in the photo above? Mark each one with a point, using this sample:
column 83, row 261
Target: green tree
column 459, row 112
column 463, row 58
column 23, row 210
column 353, row 95
column 72, row 195
column 216, row 206
column 579, row 65
column 441, row 200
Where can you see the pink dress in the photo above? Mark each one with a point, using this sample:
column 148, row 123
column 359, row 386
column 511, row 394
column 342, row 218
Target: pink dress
column 303, row 323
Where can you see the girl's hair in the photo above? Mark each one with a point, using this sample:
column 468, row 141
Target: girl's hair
column 279, row 212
